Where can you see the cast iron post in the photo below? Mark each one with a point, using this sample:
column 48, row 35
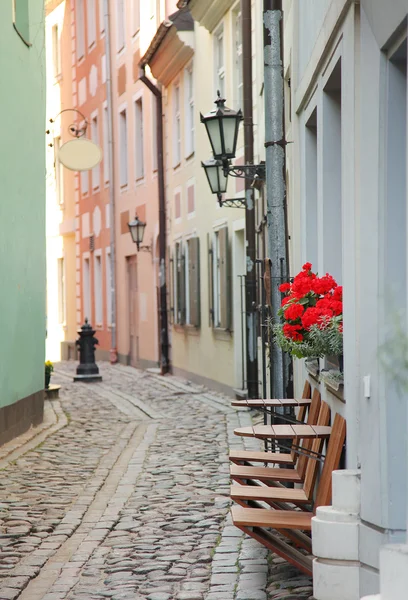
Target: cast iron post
column 87, row 369
column 250, row 279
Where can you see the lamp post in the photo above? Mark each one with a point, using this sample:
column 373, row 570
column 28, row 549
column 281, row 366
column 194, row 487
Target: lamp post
column 222, row 125
column 137, row 229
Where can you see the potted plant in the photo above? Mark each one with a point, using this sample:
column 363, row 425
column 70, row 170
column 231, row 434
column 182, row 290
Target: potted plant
column 311, row 316
column 49, row 368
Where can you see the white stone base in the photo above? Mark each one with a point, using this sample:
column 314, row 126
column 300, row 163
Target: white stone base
column 335, row 536
column 335, row 580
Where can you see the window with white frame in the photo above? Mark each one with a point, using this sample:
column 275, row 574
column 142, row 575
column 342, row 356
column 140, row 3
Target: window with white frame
column 139, row 139
column 219, row 61
column 59, row 172
column 95, row 139
column 135, row 16
column 98, row 289
column 123, row 149
column 102, row 10
column 86, row 282
column 219, row 280
column 177, row 126
column 120, row 24
column 91, row 20
column 61, row 291
column 108, row 271
column 154, row 131
column 84, row 182
column 56, row 54
column 80, row 28
column 105, row 144
column 237, row 57
column 189, row 109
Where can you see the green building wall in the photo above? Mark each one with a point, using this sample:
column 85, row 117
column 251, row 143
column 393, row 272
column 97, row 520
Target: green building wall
column 22, row 215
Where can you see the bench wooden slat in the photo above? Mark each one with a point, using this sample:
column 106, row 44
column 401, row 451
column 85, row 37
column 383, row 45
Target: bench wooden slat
column 258, row 492
column 275, row 431
column 279, row 458
column 275, row 519
column 253, row 403
column 244, row 472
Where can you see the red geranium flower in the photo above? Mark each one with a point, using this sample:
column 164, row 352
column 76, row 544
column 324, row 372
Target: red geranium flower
column 310, row 317
column 293, row 332
column 307, row 267
column 284, row 287
column 323, row 285
column 338, row 293
column 294, row 311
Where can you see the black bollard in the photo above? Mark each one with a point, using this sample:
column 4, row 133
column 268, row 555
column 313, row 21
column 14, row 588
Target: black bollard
column 87, row 369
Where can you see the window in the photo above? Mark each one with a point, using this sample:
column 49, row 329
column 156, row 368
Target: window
column 154, row 132
column 102, row 10
column 193, row 282
column 219, row 65
column 190, row 200
column 105, row 144
column 238, row 75
column 180, row 287
column 61, row 291
column 120, row 24
column 91, row 20
column 189, row 109
column 98, row 289
column 84, row 182
column 59, row 172
column 135, row 16
column 123, row 151
column 108, row 287
column 310, row 188
column 177, row 205
column 219, row 281
column 332, row 176
column 95, row 139
column 177, row 126
column 86, row 279
column 21, row 20
column 56, row 57
column 139, row 140
column 80, row 28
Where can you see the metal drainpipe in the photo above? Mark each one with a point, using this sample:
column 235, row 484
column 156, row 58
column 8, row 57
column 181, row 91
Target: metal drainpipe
column 275, row 145
column 109, row 100
column 250, row 280
column 164, row 328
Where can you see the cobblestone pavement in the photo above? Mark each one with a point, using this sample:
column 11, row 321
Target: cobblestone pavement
column 123, row 494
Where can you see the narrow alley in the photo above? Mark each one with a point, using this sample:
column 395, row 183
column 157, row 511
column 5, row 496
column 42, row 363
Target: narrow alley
column 122, row 493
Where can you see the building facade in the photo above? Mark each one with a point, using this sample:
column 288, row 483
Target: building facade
column 22, row 211
column 60, row 203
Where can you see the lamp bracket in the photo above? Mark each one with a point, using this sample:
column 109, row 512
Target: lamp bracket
column 144, row 248
column 231, row 202
column 74, row 129
column 245, row 171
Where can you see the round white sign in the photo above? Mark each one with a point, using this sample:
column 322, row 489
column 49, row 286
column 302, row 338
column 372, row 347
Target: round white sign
column 80, row 154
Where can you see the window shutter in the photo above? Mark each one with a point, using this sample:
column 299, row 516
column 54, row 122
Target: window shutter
column 182, row 287
column 171, row 291
column 224, row 278
column 194, row 280
column 210, row 282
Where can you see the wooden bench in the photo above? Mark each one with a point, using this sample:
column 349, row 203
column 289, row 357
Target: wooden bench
column 257, row 522
column 305, row 465
column 248, row 456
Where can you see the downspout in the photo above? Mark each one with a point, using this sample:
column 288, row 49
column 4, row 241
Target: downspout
column 275, row 144
column 250, row 279
column 164, row 328
column 109, row 100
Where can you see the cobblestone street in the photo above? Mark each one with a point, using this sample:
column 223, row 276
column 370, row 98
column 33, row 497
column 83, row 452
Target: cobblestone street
column 122, row 493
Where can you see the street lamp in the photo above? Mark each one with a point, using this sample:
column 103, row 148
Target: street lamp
column 222, row 125
column 137, row 229
column 217, row 179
